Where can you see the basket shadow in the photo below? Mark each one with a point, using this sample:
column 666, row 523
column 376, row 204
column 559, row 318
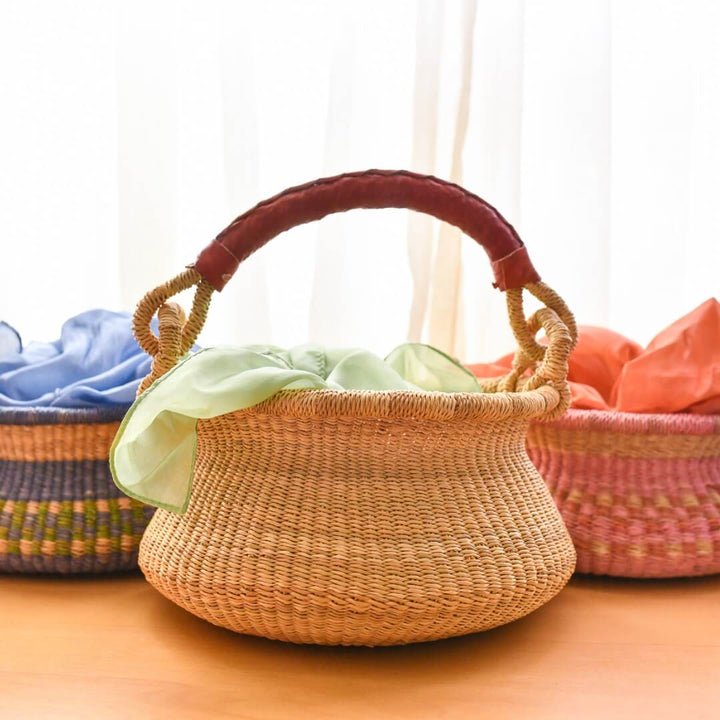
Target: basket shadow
column 667, row 586
column 518, row 644
column 70, row 577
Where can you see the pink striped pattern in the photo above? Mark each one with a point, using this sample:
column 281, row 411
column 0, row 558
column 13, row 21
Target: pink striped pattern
column 640, row 494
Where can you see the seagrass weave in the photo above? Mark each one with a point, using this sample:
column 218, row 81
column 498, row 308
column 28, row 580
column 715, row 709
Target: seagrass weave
column 60, row 511
column 640, row 494
column 364, row 517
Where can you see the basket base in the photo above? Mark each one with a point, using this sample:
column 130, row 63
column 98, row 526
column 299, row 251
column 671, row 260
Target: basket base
column 240, row 614
column 327, row 617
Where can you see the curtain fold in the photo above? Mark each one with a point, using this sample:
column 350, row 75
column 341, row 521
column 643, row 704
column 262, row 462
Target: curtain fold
column 446, row 307
column 421, row 228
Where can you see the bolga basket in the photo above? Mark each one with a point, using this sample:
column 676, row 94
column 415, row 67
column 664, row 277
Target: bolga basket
column 366, row 518
column 640, row 494
column 60, row 511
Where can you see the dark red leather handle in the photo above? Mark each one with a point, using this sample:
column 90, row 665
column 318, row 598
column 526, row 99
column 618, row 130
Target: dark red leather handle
column 370, row 189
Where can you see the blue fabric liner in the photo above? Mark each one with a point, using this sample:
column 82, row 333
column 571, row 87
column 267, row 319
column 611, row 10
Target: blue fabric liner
column 95, row 363
column 10, row 341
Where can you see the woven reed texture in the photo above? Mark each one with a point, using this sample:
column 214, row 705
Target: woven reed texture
column 640, row 494
column 60, row 511
column 364, row 519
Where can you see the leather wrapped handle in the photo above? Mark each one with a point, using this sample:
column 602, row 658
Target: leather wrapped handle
column 370, row 189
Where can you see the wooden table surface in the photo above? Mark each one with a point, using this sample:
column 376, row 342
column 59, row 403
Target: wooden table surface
column 114, row 648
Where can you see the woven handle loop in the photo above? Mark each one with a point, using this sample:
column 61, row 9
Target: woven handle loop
column 155, row 299
column 523, row 331
column 549, row 366
column 171, row 323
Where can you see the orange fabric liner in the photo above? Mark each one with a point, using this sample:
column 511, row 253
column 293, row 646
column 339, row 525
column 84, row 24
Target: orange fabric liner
column 679, row 371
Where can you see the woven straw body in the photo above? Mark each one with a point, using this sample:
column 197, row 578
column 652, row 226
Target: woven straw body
column 640, row 494
column 364, row 518
column 60, row 511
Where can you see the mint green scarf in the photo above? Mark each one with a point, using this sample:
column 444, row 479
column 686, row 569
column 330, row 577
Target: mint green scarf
column 153, row 455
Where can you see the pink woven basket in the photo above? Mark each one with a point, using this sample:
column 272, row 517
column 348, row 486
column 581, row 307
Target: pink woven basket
column 640, row 494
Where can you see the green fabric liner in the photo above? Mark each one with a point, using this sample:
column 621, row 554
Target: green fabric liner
column 152, row 457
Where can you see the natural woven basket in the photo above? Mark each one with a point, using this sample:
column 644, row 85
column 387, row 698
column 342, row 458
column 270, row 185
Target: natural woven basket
column 366, row 518
column 640, row 494
column 60, row 511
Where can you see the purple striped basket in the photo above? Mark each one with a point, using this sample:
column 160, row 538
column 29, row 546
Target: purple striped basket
column 60, row 511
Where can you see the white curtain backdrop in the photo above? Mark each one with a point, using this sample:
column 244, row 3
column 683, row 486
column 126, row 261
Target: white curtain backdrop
column 132, row 132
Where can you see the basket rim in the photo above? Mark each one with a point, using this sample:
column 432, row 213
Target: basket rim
column 408, row 404
column 334, row 403
column 30, row 415
column 614, row 421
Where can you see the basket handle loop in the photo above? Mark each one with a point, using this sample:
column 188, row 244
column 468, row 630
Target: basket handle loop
column 171, row 322
column 523, row 330
column 155, row 299
column 548, row 363
column 446, row 201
